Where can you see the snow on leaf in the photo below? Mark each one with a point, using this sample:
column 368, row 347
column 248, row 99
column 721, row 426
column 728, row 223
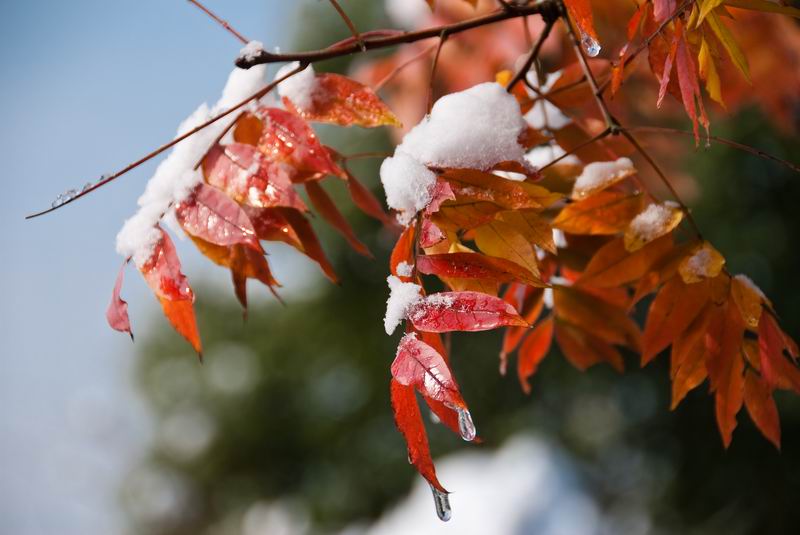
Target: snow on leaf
column 462, row 311
column 655, row 221
column 162, row 272
column 704, row 263
column 403, row 296
column 333, row 98
column 479, row 186
column 117, row 312
column 403, row 253
column 749, row 298
column 597, row 176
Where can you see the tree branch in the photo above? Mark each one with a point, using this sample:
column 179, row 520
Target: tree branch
column 349, row 23
column 373, row 43
column 220, row 21
column 523, row 72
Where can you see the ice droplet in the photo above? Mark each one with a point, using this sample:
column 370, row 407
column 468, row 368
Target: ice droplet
column 590, row 45
column 708, row 142
column 465, row 425
column 442, row 503
column 86, row 186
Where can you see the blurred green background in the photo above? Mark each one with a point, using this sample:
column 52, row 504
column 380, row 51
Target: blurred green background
column 292, row 405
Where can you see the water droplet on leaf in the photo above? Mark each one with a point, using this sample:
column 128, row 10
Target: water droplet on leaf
column 465, row 425
column 442, row 502
column 590, row 45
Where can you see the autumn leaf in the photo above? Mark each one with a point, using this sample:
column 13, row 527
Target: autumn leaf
column 117, row 312
column 367, row 202
column 653, row 222
column 409, row 422
column 703, row 263
column 533, row 350
column 726, row 366
column 328, row 210
column 309, row 241
column 403, row 254
column 419, row 365
column 607, row 212
column 478, row 186
column 581, row 309
column 214, row 217
column 583, row 350
column 749, row 299
column 271, row 225
column 462, row 311
column 339, row 100
column 247, row 177
column 612, row 265
column 776, row 369
column 581, row 12
column 162, row 272
column 532, row 226
column 675, row 307
column 761, row 407
column 502, row 240
column 475, row 266
column 688, row 358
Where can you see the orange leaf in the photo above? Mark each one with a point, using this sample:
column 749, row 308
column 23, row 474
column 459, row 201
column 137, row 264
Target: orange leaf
column 607, row 212
column 612, row 265
column 670, row 314
column 597, row 317
column 367, row 202
column 328, row 210
column 502, row 240
column 581, row 13
column 339, row 100
column 311, row 245
column 761, row 407
column 533, row 350
column 478, row 186
column 403, row 253
column 776, row 369
column 583, row 350
column 688, row 359
column 726, row 366
column 162, row 271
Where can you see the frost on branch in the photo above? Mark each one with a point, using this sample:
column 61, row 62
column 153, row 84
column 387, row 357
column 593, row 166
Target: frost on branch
column 175, row 177
column 476, row 129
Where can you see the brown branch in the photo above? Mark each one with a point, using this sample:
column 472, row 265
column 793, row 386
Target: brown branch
column 221, row 22
column 523, row 72
column 349, row 23
column 602, row 135
column 373, row 43
column 105, row 180
column 735, row 144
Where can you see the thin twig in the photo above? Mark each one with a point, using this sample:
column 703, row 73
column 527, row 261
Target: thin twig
column 221, row 22
column 442, row 39
column 386, row 79
column 735, row 144
column 373, row 43
column 523, row 72
column 605, row 133
column 255, row 96
column 350, row 25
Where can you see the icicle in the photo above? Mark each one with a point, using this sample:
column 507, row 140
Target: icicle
column 590, row 45
column 442, row 502
column 465, row 425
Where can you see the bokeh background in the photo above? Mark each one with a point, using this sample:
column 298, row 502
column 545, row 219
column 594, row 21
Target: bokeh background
column 286, row 428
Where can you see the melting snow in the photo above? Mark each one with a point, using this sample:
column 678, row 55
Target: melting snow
column 298, row 88
column 175, row 177
column 599, row 175
column 650, row 223
column 476, row 128
column 402, row 296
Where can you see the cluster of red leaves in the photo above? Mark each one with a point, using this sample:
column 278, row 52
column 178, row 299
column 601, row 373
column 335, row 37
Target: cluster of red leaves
column 250, row 195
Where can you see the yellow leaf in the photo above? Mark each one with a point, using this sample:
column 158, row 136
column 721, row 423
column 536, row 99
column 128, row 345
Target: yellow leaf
column 708, row 71
column 706, row 7
column 502, row 240
column 764, row 5
column 726, row 38
column 705, row 263
column 653, row 222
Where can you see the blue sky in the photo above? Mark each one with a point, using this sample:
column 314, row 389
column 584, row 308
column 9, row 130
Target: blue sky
column 88, row 86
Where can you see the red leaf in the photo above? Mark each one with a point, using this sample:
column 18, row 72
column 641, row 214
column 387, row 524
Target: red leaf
column 328, row 210
column 421, row 366
column 162, row 271
column 430, row 234
column 367, row 202
column 285, row 137
column 117, row 312
column 581, row 13
column 409, row 421
column 776, row 369
column 339, row 100
column 212, row 216
column 533, row 350
column 475, row 266
column 462, row 311
column 311, row 245
column 249, row 178
column 271, row 225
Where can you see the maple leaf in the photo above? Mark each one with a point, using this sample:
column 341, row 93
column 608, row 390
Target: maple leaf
column 162, row 272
